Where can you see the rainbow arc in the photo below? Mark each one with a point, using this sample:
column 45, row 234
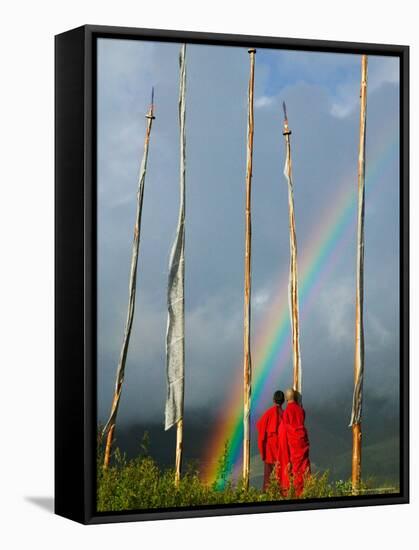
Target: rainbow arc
column 271, row 352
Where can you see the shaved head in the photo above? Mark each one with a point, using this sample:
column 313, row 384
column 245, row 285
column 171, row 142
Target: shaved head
column 290, row 394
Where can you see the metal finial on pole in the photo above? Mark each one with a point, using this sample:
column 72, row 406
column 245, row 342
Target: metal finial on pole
column 284, row 107
column 150, row 113
column 247, row 361
column 359, row 306
column 109, row 428
column 286, row 130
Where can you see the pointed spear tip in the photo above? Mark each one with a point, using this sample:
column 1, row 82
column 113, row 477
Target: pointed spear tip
column 150, row 113
column 286, row 131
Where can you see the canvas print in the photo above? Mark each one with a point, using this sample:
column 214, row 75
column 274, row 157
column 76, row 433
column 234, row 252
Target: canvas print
column 248, row 291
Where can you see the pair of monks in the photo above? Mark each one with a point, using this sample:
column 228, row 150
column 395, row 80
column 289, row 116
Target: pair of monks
column 283, row 443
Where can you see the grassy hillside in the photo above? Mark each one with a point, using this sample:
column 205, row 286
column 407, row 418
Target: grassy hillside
column 139, row 483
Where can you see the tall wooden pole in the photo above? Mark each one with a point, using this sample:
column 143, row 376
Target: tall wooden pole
column 359, row 307
column 179, row 449
column 293, row 274
column 247, row 361
column 110, row 425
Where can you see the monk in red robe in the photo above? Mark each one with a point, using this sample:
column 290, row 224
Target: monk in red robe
column 268, row 432
column 294, row 445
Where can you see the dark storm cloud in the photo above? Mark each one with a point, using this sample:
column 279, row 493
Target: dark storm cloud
column 321, row 94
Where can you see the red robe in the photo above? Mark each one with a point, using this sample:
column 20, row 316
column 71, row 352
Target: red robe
column 294, row 448
column 268, row 426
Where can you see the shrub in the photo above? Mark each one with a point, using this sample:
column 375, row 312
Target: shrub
column 139, row 483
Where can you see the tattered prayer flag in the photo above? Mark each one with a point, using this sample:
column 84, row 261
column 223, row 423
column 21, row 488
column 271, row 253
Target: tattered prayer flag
column 175, row 337
column 359, row 311
column 293, row 275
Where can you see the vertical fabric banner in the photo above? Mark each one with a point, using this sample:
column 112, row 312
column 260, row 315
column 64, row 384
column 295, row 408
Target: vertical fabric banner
column 293, row 274
column 359, row 311
column 175, row 336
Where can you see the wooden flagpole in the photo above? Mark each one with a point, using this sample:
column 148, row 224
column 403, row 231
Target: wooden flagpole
column 359, row 314
column 110, row 425
column 179, row 449
column 247, row 361
column 293, row 277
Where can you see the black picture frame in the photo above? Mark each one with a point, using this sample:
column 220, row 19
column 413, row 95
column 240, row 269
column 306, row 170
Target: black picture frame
column 75, row 271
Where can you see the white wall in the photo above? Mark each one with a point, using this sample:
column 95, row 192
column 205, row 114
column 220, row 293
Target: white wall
column 26, row 290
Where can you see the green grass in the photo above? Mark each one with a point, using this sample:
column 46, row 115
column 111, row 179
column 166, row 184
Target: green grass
column 139, row 483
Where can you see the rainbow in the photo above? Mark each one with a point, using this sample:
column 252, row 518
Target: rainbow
column 272, row 344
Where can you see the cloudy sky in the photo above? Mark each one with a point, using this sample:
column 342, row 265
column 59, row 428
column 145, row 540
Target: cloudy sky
column 322, row 95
